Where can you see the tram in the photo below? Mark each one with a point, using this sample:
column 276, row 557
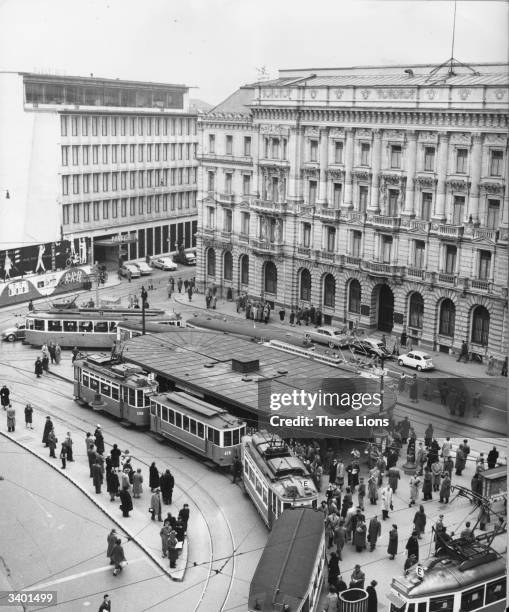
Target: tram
column 290, row 573
column 84, row 328
column 203, row 428
column 466, row 576
column 120, row 389
column 130, row 329
column 274, row 478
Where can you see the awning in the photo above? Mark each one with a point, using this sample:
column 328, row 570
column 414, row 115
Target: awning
column 115, row 241
column 396, row 600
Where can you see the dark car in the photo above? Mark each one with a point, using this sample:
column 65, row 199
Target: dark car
column 16, row 332
column 371, row 347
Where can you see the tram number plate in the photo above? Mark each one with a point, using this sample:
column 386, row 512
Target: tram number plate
column 140, row 413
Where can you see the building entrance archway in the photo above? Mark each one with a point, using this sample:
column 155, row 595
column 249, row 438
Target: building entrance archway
column 384, row 308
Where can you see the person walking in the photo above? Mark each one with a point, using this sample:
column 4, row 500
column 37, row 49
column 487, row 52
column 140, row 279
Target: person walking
column 412, row 546
column 48, row 426
column 460, row 462
column 359, row 536
column 11, row 418
column 115, row 453
column 29, row 411
column 183, row 516
column 374, row 532
column 153, row 479
column 463, row 352
column 5, row 394
column 436, row 473
column 333, row 568
column 445, row 489
column 58, row 354
column 415, row 483
column 68, row 442
column 63, row 456
column 118, row 557
column 112, row 483
column 45, row 363
column 91, row 455
column 52, row 443
column 372, row 597
column 126, row 502
column 99, row 440
column 38, row 369
column 51, row 349
column 166, row 484
column 427, row 485
column 97, row 476
column 172, row 548
column 165, row 536
column 155, row 505
column 392, row 549
column 492, row 458
column 106, row 604
column 137, row 484
column 386, row 499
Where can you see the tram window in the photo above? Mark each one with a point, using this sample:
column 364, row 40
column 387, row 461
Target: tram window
column 442, row 604
column 165, row 413
column 258, row 486
column 287, row 505
column 152, row 408
column 100, row 327
column 185, row 421
column 178, row 420
column 265, row 495
column 55, row 326
column 422, row 607
column 495, row 590
column 201, row 431
column 213, row 436
column 94, row 384
column 473, row 599
column 115, row 392
column 105, row 389
column 85, row 327
column 29, row 323
column 39, row 324
column 147, row 399
column 171, row 416
column 158, row 411
column 139, row 398
column 236, row 436
column 192, row 426
column 113, row 326
column 227, row 438
column 70, row 326
column 85, row 380
column 132, row 397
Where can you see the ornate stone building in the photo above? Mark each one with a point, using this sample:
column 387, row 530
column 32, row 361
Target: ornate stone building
column 379, row 194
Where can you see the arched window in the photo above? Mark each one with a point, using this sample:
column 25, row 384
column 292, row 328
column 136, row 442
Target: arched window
column 447, row 318
column 244, row 270
column 416, row 311
column 211, row 262
column 354, row 296
column 329, row 291
column 480, row 325
column 228, row 266
column 270, row 283
column 305, row 285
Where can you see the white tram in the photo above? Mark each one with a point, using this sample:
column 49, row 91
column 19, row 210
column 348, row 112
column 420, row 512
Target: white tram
column 274, row 477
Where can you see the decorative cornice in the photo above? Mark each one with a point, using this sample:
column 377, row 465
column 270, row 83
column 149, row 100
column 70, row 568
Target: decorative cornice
column 458, row 184
column 492, row 187
column 361, row 174
column 423, row 180
column 270, row 128
column 336, row 174
column 310, row 172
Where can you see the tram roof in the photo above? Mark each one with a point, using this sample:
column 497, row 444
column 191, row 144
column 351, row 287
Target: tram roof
column 201, row 360
column 96, row 314
column 284, row 571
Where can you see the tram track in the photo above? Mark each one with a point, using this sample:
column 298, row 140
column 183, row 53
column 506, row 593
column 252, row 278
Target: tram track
column 208, row 508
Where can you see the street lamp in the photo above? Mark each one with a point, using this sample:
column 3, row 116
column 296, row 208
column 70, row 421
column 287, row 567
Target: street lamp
column 143, row 302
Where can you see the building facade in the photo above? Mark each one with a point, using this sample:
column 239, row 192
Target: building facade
column 377, row 194
column 108, row 165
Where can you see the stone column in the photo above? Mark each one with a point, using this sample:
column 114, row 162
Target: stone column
column 504, row 213
column 255, row 187
column 349, row 153
column 375, row 168
column 410, row 174
column 443, row 150
column 324, row 162
column 475, row 175
column 294, row 146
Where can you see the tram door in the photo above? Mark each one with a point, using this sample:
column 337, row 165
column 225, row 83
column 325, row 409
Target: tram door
column 121, row 403
column 272, row 509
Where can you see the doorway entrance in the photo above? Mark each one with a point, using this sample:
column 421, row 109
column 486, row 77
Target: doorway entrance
column 385, row 308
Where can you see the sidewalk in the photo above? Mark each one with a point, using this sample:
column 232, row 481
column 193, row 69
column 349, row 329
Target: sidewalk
column 138, row 527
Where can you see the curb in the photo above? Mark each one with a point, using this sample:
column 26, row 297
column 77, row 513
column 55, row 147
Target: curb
column 99, row 506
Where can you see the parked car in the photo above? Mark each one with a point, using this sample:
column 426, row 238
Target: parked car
column 331, row 336
column 370, row 346
column 126, row 268
column 163, row 263
column 416, row 359
column 190, row 259
column 13, row 333
column 143, row 267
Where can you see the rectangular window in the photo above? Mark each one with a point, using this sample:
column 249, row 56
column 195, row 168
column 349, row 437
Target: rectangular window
column 165, row 151
column 442, row 604
column 86, row 212
column 338, row 152
column 105, row 154
column 244, row 223
column 228, row 182
column 95, row 154
column 493, row 219
column 74, row 125
column 86, row 155
column 114, row 126
column 458, row 210
column 65, row 156
column 419, row 253
column 104, row 126
column 106, row 182
column 141, row 178
column 356, row 243
column 461, row 161
column 363, row 197
column 246, row 184
column 141, row 205
column 266, row 148
column 157, row 152
column 76, row 184
column 210, row 217
column 312, row 193
column 229, row 145
column 95, row 183
column 132, row 206
column 450, row 259
column 123, row 126
column 94, row 126
column 123, row 207
column 63, row 125
column 227, row 220
column 132, row 180
column 76, row 213
column 306, row 234
column 212, row 144
column 114, row 181
column 426, row 203
column 75, row 156
column 313, row 150
column 285, row 149
column 365, row 148
column 392, row 208
column 247, row 146
column 132, row 150
column 275, row 148
column 114, row 154
column 386, row 249
column 484, row 265
column 123, row 180
column 141, row 152
column 65, row 185
column 496, row 163
column 396, row 156
column 429, row 159
column 149, row 152
column 86, row 183
column 96, row 211
column 149, row 126
column 331, row 239
column 65, row 213
column 149, row 204
column 123, row 154
column 84, row 126
column 106, row 207
column 140, row 126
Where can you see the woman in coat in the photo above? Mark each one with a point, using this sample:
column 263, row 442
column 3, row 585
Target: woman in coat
column 412, row 546
column 374, row 532
column 112, row 484
column 415, row 483
column 394, row 476
column 117, row 557
column 48, row 426
column 126, row 504
column 340, row 538
column 38, row 367
column 333, row 567
column 153, row 480
column 29, row 411
column 372, row 486
column 58, row 354
column 445, row 489
column 420, row 521
column 359, row 536
column 427, row 485
column 460, row 461
column 386, row 501
column 392, row 549
column 52, row 443
column 11, row 418
column 111, row 540
column 436, row 473
column 137, row 483
column 331, row 524
column 165, row 534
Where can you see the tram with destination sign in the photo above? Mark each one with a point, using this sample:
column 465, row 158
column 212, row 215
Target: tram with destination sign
column 120, row 389
column 274, row 478
column 199, row 426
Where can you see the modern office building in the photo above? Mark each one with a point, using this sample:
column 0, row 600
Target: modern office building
column 379, row 194
column 106, row 164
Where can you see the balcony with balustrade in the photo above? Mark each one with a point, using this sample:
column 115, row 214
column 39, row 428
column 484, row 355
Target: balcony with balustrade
column 354, row 216
column 329, row 215
column 415, row 273
column 481, row 285
column 391, row 223
column 418, row 225
column 235, row 160
column 266, row 247
column 269, row 206
column 450, row 231
column 482, row 233
column 377, row 268
column 447, row 279
column 303, row 252
column 351, row 262
column 227, row 200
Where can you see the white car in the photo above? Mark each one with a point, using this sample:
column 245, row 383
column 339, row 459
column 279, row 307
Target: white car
column 143, row 267
column 331, row 336
column 416, row 359
column 164, row 263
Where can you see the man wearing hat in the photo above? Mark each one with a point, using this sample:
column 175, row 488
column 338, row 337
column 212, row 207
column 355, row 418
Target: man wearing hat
column 99, row 440
column 48, row 426
column 155, row 505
